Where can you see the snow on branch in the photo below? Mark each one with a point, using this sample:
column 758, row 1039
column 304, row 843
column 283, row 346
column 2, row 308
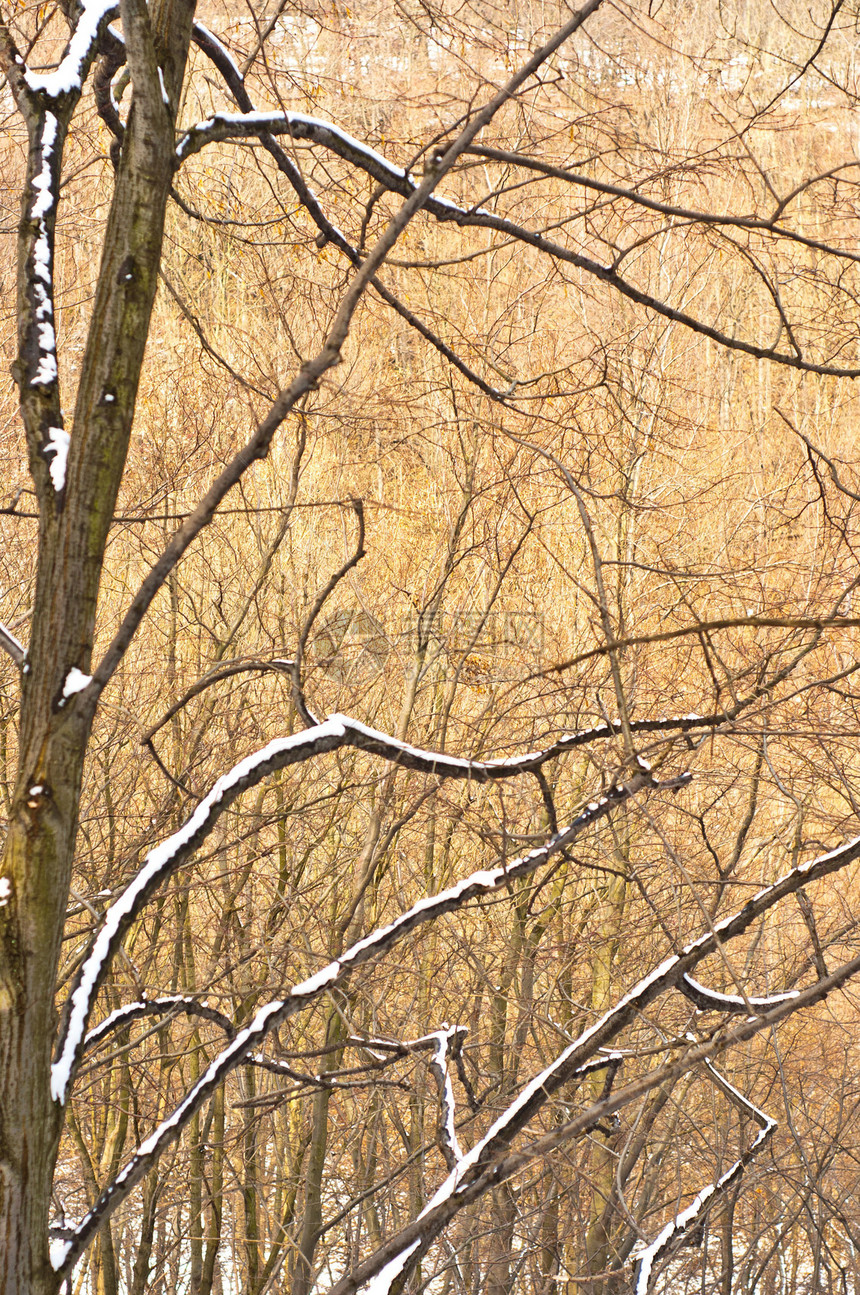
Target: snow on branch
column 711, row 1001
column 44, row 187
column 209, row 42
column 12, row 646
column 674, row 1232
column 471, row 1167
column 479, row 1168
column 445, row 1042
column 187, row 1005
column 474, row 1171
column 415, row 1238
column 298, row 125
column 479, row 884
column 222, row 59
column 47, row 100
column 222, row 125
column 163, row 860
column 158, row 865
column 166, row 1005
column 68, row 78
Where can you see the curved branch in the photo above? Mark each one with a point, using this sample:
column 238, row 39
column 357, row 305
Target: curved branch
column 708, row 1000
column 337, row 731
column 215, row 676
column 68, row 78
column 319, row 602
column 185, row 1005
column 674, row 1232
column 329, row 233
column 173, row 1004
column 273, row 1014
column 221, row 126
column 163, row 860
column 723, row 623
column 447, row 1043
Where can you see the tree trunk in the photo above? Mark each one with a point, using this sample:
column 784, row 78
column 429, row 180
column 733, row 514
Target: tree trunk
column 74, row 521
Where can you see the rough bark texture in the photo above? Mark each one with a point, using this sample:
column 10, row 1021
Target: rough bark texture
column 39, row 847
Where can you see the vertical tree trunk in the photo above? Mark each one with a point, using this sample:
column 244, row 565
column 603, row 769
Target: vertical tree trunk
column 600, row 1252
column 73, row 526
column 302, row 1277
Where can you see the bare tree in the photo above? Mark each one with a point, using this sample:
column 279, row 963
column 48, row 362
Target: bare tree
column 623, row 209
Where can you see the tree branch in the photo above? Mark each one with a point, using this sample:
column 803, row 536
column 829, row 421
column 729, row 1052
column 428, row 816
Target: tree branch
column 318, row 604
column 723, row 623
column 10, row 645
column 221, row 126
column 274, row 1013
column 713, row 219
column 674, row 1232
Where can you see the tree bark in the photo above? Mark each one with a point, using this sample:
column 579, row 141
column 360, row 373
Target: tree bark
column 54, row 730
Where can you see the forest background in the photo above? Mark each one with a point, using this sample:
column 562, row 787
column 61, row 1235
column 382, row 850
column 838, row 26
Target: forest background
column 529, row 501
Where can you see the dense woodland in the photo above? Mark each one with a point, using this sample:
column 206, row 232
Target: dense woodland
column 577, row 476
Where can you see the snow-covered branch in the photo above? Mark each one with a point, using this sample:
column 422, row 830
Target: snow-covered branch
column 482, row 1167
column 470, row 1171
column 674, row 1232
column 273, row 1014
column 222, row 59
column 589, row 1047
column 223, row 125
column 445, row 1041
column 298, row 125
column 45, row 151
column 68, row 78
column 47, row 101
column 377, row 1272
column 163, row 860
column 12, row 646
column 171, row 1005
column 709, row 1000
column 166, row 1005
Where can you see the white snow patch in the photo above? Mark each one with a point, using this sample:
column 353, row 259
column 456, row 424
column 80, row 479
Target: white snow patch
column 76, row 681
column 68, row 76
column 316, row 982
column 58, row 446
column 442, row 1040
column 42, row 182
column 381, row 1283
column 58, row 1251
column 46, row 369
